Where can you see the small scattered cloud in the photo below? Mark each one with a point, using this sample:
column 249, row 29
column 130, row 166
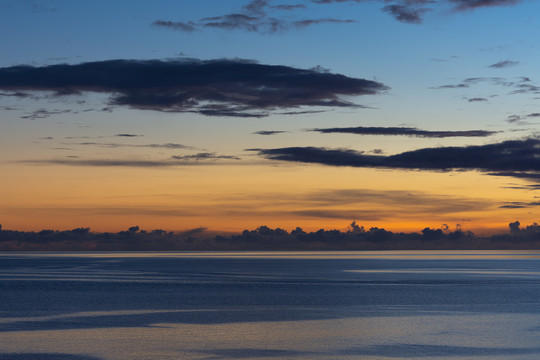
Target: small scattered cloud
column 310, row 22
column 464, row 5
column 521, row 119
column 269, row 132
column 413, row 11
column 172, row 146
column 222, row 87
column 175, row 25
column 477, row 99
column 253, row 17
column 288, row 7
column 407, row 12
column 521, row 85
column 404, row 131
column 127, row 135
column 504, row 64
column 205, row 156
column 43, row 114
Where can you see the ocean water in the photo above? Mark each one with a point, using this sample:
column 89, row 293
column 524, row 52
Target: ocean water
column 274, row 305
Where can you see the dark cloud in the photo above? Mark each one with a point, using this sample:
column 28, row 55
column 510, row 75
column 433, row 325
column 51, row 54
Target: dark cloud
column 127, row 135
column 305, row 23
column 406, row 13
column 504, row 64
column 477, row 99
column 269, row 132
column 253, row 18
column 514, row 156
column 205, row 156
column 175, row 25
column 255, row 6
column 288, row 7
column 521, row 119
column 519, row 205
column 244, row 22
column 452, row 86
column 412, row 11
column 463, row 5
column 361, row 130
column 531, row 176
column 257, row 15
column 521, row 85
column 217, row 87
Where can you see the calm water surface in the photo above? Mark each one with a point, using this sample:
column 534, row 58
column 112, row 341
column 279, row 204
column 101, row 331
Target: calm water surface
column 285, row 305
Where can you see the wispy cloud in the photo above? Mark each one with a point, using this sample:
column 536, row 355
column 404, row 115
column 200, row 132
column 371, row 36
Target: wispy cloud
column 269, row 132
column 504, row 64
column 477, row 99
column 406, row 12
column 463, row 5
column 404, row 131
column 119, row 145
column 253, row 17
column 520, row 85
column 186, row 160
column 205, row 156
column 519, row 205
column 216, row 88
column 512, row 156
column 521, row 119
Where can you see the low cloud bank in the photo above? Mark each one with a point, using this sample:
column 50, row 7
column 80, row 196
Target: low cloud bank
column 265, row 238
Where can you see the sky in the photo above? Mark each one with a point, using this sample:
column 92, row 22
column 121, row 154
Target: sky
column 229, row 115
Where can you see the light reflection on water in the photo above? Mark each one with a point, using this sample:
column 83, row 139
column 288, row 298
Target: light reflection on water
column 286, row 305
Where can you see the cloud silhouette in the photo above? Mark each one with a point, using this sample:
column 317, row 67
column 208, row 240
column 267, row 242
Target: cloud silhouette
column 255, row 17
column 252, row 18
column 512, row 156
column 176, row 160
column 205, row 156
column 404, row 131
column 269, row 132
column 463, row 5
column 215, row 87
column 477, row 99
column 412, row 11
column 520, row 85
column 117, row 145
column 503, row 64
column 406, row 13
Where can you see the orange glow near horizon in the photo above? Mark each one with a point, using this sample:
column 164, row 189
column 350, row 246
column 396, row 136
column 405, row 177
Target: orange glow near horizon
column 234, row 198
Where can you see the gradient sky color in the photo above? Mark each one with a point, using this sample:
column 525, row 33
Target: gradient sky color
column 229, row 115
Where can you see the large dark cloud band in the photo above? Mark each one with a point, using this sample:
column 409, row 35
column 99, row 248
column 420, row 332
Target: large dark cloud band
column 513, row 156
column 217, row 87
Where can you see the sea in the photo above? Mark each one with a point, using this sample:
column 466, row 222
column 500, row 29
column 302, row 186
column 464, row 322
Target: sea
column 270, row 305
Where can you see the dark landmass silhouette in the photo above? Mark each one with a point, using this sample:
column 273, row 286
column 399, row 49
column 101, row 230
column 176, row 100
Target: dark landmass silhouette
column 265, row 238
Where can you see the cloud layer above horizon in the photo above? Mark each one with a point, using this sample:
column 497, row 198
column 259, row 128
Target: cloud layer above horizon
column 519, row 158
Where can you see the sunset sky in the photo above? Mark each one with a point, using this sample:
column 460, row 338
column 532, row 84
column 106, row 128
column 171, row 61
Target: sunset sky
column 229, row 115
